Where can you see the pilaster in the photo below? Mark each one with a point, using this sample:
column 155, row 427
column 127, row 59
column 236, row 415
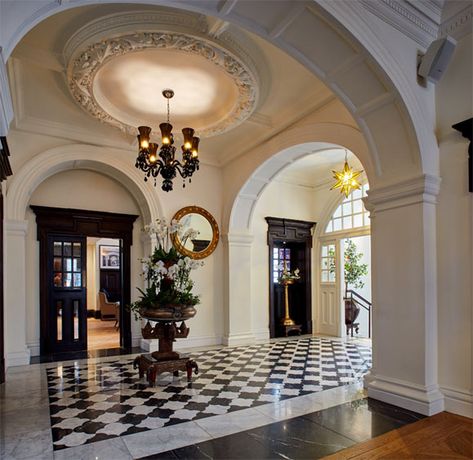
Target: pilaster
column 16, row 351
column 404, row 283
column 238, row 327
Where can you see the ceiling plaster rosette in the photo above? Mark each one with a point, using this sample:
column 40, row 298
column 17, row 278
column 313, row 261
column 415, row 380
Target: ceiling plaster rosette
column 88, row 54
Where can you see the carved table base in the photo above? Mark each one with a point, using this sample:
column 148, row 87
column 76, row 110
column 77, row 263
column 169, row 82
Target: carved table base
column 152, row 368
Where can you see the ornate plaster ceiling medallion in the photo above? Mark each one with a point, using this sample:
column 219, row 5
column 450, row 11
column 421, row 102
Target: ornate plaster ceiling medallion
column 93, row 72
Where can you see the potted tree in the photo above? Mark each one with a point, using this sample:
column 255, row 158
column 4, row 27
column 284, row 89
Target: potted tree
column 354, row 272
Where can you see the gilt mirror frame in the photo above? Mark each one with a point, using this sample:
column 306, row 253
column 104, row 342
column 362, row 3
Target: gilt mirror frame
column 213, row 224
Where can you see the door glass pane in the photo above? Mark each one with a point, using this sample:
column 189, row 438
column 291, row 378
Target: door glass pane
column 67, row 280
column 57, row 279
column 57, row 264
column 76, row 250
column 57, row 248
column 75, row 311
column 324, row 276
column 59, row 319
column 67, row 249
column 77, row 277
column 68, row 264
column 76, row 265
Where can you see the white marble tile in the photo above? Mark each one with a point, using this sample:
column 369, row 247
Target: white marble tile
column 35, row 445
column 110, row 449
column 24, row 420
column 222, row 425
column 163, row 439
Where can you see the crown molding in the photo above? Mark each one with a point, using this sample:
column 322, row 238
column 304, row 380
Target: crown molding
column 459, row 25
column 421, row 20
column 407, row 17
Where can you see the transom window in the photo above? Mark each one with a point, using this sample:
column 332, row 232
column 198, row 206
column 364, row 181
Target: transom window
column 351, row 213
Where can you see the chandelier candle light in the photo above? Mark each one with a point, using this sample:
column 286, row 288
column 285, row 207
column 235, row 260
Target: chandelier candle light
column 347, row 179
column 164, row 163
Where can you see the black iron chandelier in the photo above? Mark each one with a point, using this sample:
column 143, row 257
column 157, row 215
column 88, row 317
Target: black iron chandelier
column 153, row 163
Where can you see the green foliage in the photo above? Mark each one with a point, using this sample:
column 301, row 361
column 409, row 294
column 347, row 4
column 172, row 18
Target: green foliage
column 354, row 270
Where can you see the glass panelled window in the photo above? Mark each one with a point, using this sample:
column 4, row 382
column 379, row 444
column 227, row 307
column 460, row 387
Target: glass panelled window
column 67, row 265
column 327, row 263
column 280, row 255
column 351, row 213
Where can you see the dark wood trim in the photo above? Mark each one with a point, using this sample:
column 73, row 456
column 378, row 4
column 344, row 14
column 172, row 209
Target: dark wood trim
column 290, row 231
column 2, row 338
column 465, row 127
column 5, row 168
column 79, row 222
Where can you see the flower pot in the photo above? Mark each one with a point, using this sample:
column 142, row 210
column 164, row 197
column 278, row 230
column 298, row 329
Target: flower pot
column 352, row 310
column 168, row 313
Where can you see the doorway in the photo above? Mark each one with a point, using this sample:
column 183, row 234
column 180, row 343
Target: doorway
column 290, row 244
column 104, row 293
column 64, row 294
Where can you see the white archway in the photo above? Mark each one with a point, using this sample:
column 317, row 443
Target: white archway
column 20, row 189
column 78, row 156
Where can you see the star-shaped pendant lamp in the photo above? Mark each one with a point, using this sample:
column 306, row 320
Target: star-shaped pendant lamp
column 347, row 179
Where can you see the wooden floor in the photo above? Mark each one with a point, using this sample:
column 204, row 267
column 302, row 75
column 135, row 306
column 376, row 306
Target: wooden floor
column 101, row 334
column 440, row 437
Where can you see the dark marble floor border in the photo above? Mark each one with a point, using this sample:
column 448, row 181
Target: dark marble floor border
column 103, row 353
column 313, row 435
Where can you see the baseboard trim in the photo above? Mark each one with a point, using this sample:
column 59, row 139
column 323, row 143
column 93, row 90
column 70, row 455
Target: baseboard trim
column 17, row 358
column 458, row 401
column 184, row 344
column 34, row 348
column 418, row 398
column 238, row 339
column 262, row 334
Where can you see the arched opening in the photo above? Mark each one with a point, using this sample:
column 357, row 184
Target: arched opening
column 76, row 183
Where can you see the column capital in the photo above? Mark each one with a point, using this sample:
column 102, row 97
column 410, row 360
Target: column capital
column 242, row 238
column 420, row 189
column 16, row 227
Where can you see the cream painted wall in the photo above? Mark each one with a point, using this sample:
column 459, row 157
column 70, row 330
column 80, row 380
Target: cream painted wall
column 90, row 190
column 455, row 234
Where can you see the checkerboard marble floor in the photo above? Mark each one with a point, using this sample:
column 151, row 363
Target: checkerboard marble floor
column 95, row 400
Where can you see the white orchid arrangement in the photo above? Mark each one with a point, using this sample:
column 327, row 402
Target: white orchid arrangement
column 166, row 271
column 287, row 275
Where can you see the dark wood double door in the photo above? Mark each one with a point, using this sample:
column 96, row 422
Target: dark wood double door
column 62, row 235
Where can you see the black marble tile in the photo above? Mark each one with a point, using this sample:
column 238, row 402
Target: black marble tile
column 299, row 439
column 237, row 446
column 363, row 419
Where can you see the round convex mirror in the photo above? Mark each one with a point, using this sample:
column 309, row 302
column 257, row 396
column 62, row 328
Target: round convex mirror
column 198, row 234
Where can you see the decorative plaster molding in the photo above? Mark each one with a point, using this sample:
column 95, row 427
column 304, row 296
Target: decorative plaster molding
column 102, row 40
